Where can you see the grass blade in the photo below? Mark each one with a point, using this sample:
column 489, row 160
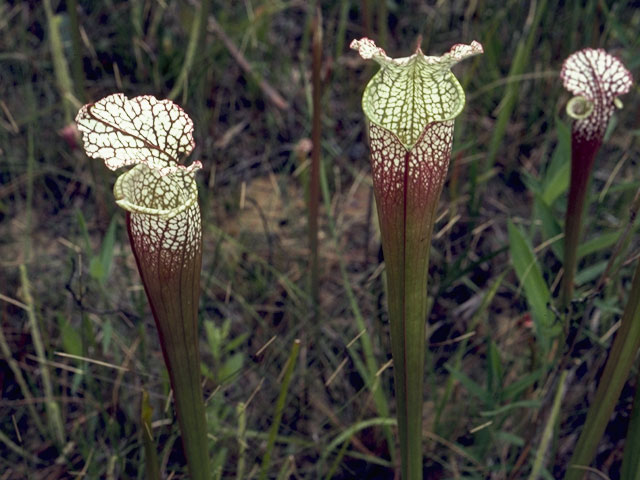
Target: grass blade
column 623, row 353
column 535, row 288
column 344, row 437
column 241, row 410
column 457, row 359
column 51, row 406
column 631, row 459
column 22, row 383
column 60, row 66
column 150, row 454
column 198, row 27
column 368, row 373
column 518, row 65
column 547, row 434
column 277, row 418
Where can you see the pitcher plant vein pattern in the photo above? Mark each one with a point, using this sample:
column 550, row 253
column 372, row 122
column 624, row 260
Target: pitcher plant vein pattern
column 410, row 106
column 163, row 219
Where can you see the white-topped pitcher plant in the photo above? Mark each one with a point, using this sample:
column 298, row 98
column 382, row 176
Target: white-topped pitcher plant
column 410, row 106
column 596, row 78
column 160, row 197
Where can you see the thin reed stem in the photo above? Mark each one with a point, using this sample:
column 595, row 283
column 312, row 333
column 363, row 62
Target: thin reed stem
column 241, row 411
column 7, row 442
column 51, row 406
column 547, row 434
column 152, row 466
column 60, row 66
column 277, row 418
column 76, row 61
column 316, row 137
column 630, row 469
column 22, row 383
column 198, row 28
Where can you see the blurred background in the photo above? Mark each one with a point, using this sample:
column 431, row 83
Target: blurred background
column 77, row 335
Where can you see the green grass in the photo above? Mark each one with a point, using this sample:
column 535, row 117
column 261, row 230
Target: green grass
column 67, row 274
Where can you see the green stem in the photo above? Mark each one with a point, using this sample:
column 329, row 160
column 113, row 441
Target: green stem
column 518, row 65
column 630, row 469
column 383, row 18
column 273, row 431
column 344, row 437
column 6, row 441
column 198, row 27
column 614, row 376
column 241, row 410
column 152, row 466
column 51, row 406
column 76, row 61
column 547, row 434
column 22, row 383
column 60, row 67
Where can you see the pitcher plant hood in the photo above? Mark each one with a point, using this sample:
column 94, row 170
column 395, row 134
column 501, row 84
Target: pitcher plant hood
column 143, row 129
column 409, row 93
column 410, row 104
column 596, row 78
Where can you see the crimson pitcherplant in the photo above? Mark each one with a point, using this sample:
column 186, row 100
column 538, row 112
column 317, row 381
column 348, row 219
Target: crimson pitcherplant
column 160, row 197
column 410, row 106
column 596, row 78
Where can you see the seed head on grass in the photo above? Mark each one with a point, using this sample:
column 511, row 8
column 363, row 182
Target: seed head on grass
column 163, row 219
